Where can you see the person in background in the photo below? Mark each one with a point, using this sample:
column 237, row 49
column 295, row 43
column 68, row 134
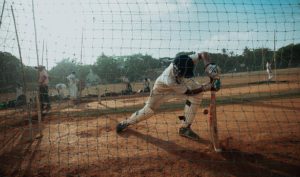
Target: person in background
column 19, row 91
column 43, row 88
column 128, row 88
column 73, row 89
column 269, row 71
column 20, row 97
column 146, row 85
column 60, row 90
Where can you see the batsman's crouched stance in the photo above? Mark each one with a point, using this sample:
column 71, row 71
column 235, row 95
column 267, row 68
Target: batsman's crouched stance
column 177, row 82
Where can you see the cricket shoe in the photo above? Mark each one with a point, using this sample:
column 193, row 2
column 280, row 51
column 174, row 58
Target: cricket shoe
column 188, row 133
column 121, row 127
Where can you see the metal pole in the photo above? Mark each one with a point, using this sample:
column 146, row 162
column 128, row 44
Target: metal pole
column 19, row 48
column 80, row 79
column 81, row 47
column 23, row 74
column 43, row 54
column 47, row 56
column 2, row 13
column 263, row 58
column 35, row 35
column 274, row 57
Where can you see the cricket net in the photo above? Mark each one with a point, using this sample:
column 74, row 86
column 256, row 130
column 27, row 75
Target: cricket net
column 117, row 49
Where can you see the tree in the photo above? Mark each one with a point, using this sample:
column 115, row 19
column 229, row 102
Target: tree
column 288, row 56
column 10, row 70
column 224, row 51
column 107, row 69
column 62, row 69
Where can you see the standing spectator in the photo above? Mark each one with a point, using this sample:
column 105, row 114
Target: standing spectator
column 73, row 81
column 19, row 91
column 20, row 97
column 269, row 71
column 43, row 88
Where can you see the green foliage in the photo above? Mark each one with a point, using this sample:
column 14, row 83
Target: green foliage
column 11, row 73
column 288, row 56
column 139, row 66
column 136, row 67
column 64, row 68
column 10, row 68
column 107, row 68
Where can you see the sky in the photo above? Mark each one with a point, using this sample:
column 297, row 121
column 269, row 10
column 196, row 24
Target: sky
column 82, row 30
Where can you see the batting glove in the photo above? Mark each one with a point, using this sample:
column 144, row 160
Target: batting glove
column 216, row 85
column 212, row 70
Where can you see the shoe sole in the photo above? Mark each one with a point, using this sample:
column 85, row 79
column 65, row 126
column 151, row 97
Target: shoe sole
column 120, row 131
column 195, row 139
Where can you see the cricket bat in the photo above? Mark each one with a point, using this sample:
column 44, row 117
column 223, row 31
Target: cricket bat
column 213, row 122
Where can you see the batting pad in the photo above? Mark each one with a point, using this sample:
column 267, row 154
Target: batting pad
column 140, row 115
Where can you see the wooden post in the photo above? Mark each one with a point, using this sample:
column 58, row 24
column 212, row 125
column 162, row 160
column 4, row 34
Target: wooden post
column 47, row 57
column 38, row 107
column 2, row 13
column 80, row 76
column 274, row 58
column 23, row 75
column 99, row 94
column 43, row 53
column 39, row 111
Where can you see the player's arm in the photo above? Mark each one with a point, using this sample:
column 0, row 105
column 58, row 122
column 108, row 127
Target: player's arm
column 210, row 68
column 204, row 57
column 214, row 86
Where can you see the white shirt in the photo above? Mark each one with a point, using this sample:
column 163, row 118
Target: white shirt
column 166, row 82
column 72, row 79
column 268, row 66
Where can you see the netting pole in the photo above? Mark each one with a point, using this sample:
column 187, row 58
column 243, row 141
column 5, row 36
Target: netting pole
column 80, row 79
column 47, row 56
column 43, row 54
column 99, row 94
column 23, row 73
column 81, row 47
column 37, row 58
column 2, row 13
column 274, row 57
column 263, row 59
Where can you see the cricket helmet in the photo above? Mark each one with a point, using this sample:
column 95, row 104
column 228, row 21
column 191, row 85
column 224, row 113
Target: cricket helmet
column 183, row 66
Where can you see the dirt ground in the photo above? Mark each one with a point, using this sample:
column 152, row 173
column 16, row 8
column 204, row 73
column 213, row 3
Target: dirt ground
column 259, row 138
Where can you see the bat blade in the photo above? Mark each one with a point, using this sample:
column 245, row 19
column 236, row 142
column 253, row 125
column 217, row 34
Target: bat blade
column 213, row 123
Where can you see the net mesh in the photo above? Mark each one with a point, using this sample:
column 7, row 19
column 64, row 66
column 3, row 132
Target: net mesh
column 117, row 49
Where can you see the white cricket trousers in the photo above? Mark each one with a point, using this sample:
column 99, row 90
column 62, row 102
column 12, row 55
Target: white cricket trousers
column 156, row 98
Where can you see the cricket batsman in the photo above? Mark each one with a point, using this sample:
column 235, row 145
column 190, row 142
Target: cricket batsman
column 177, row 81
